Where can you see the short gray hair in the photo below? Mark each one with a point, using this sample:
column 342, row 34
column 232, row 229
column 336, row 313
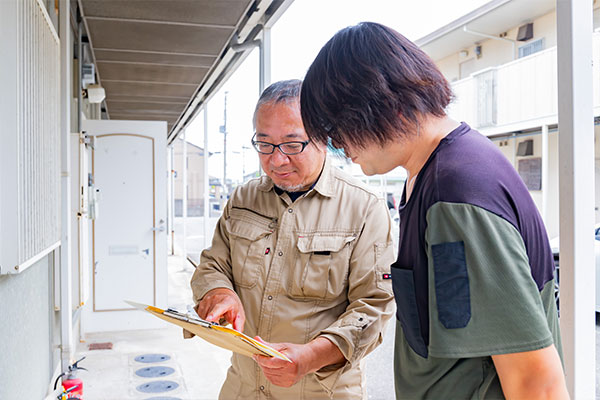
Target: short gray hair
column 279, row 92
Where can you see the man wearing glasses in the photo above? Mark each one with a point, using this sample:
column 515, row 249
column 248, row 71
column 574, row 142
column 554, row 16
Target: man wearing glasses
column 300, row 259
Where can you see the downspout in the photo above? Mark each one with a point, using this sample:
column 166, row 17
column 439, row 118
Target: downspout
column 66, row 59
column 79, row 75
column 485, row 35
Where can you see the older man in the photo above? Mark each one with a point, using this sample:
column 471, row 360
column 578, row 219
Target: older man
column 300, row 258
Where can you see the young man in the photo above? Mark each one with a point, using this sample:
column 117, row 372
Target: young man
column 300, row 258
column 473, row 280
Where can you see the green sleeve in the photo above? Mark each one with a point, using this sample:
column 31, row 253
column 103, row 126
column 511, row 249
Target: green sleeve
column 482, row 297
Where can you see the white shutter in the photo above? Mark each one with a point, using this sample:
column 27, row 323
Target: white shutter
column 30, row 135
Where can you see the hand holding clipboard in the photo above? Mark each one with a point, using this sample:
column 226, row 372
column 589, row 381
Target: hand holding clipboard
column 214, row 333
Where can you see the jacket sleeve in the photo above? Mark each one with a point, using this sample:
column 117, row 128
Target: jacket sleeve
column 214, row 270
column 370, row 297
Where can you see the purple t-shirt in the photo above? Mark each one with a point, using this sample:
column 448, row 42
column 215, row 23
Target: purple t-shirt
column 466, row 168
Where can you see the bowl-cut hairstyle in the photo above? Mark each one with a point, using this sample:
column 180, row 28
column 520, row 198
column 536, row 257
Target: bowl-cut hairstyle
column 369, row 84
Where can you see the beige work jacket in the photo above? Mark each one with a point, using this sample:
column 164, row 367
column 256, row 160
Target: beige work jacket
column 318, row 266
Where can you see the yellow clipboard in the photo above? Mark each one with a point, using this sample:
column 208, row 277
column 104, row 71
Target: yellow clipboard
column 222, row 336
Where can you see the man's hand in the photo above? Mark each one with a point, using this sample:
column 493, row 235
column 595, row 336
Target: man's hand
column 222, row 303
column 306, row 358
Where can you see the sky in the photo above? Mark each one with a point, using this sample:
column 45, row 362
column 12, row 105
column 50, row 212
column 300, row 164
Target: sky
column 296, row 38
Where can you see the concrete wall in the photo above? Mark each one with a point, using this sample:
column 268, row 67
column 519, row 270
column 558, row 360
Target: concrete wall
column 29, row 332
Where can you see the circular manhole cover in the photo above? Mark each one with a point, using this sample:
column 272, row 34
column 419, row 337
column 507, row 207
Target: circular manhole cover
column 152, row 358
column 154, row 372
column 157, row 386
column 163, row 398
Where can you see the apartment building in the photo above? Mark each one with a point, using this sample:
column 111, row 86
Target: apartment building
column 501, row 60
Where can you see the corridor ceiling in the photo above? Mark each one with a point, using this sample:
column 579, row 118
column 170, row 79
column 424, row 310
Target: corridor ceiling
column 153, row 57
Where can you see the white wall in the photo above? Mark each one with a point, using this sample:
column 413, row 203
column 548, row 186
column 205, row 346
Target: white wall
column 493, row 53
column 29, row 332
column 496, row 52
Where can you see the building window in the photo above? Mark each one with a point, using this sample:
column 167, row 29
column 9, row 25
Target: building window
column 530, row 48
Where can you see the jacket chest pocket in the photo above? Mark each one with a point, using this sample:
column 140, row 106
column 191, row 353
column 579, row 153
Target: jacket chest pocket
column 321, row 267
column 248, row 241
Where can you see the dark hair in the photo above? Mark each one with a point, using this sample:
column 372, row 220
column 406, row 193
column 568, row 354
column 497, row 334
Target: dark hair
column 279, row 92
column 368, row 85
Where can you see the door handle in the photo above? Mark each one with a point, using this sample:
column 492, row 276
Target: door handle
column 161, row 227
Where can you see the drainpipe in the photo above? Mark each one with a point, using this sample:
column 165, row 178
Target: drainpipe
column 485, row 35
column 79, row 75
column 66, row 318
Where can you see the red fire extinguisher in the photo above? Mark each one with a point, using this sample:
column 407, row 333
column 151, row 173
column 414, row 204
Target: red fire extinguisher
column 72, row 386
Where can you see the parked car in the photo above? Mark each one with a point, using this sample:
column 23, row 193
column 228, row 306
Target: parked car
column 391, row 202
column 554, row 245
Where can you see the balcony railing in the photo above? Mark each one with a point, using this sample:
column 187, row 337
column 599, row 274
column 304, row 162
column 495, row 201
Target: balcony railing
column 521, row 90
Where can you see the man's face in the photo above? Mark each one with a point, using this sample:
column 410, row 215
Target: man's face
column 279, row 123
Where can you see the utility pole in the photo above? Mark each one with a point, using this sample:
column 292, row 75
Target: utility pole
column 244, row 148
column 224, row 131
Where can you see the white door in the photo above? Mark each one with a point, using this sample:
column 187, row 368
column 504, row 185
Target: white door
column 128, row 254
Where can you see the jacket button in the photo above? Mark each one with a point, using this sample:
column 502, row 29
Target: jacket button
column 270, row 297
column 262, row 387
column 290, row 210
column 280, row 253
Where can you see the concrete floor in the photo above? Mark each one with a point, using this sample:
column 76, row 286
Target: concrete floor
column 199, row 367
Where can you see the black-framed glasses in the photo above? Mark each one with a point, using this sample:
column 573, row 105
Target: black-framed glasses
column 287, row 148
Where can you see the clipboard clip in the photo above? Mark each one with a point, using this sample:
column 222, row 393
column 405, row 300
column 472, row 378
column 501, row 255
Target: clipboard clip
column 171, row 312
